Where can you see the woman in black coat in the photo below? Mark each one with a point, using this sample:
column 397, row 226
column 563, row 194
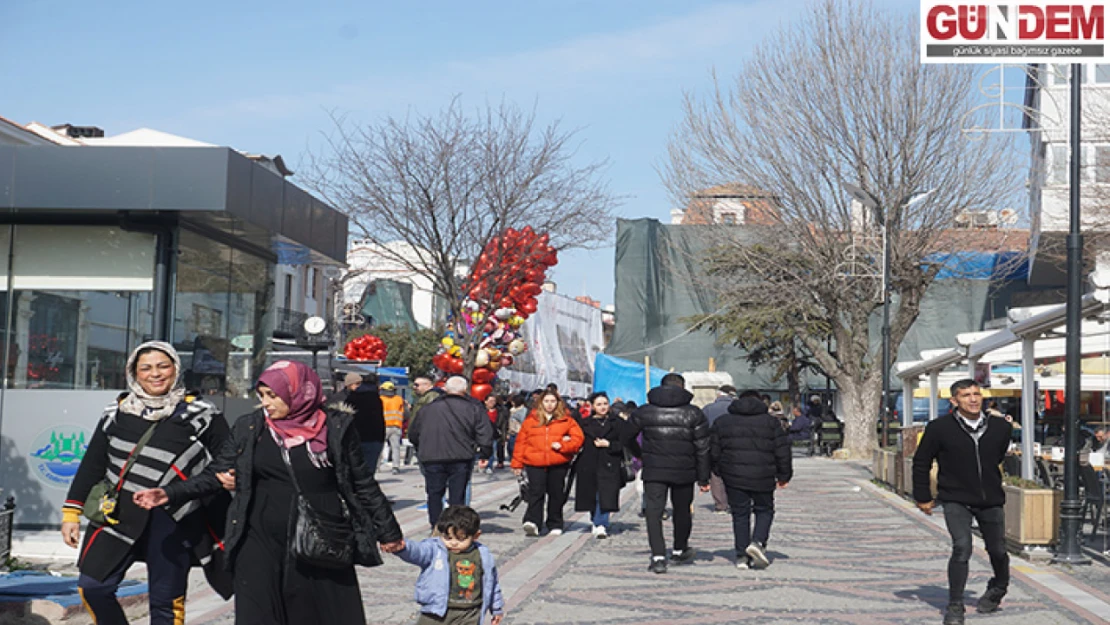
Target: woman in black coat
column 322, row 449
column 598, row 469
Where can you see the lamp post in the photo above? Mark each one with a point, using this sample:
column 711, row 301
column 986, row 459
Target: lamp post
column 1069, row 550
column 868, row 201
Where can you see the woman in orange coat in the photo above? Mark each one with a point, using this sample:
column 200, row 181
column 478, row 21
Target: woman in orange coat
column 545, row 445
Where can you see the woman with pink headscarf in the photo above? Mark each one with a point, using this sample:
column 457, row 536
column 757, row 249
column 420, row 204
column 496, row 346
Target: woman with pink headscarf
column 323, row 452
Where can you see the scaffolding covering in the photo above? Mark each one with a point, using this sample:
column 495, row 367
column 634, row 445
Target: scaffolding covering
column 657, row 288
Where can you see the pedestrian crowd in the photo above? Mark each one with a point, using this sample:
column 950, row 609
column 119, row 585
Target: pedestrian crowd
column 281, row 507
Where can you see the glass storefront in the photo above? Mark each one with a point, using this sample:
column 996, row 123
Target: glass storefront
column 221, row 324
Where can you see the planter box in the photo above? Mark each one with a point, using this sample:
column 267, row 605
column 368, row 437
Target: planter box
column 883, row 467
column 1032, row 516
column 906, row 488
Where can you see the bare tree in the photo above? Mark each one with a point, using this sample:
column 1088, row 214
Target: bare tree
column 431, row 192
column 841, row 97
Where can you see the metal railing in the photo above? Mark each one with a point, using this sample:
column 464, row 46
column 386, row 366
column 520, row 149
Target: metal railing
column 7, row 517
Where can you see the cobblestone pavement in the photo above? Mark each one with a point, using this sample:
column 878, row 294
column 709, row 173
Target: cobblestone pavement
column 843, row 552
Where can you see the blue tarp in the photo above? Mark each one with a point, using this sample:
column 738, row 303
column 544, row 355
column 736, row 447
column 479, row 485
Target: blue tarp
column 623, row 378
column 1000, row 266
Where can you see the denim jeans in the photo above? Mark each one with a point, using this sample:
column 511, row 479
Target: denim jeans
column 372, row 451
column 743, row 503
column 597, row 517
column 992, row 524
column 167, row 561
column 452, row 478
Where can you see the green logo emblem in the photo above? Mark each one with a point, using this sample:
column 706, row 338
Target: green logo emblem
column 57, row 452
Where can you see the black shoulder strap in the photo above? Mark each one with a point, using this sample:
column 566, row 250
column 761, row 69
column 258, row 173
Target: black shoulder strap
column 138, row 449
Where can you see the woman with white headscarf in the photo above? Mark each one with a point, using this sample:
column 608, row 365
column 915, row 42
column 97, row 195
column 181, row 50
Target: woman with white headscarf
column 153, row 436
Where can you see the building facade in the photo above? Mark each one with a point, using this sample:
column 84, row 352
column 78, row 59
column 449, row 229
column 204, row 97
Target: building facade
column 103, row 248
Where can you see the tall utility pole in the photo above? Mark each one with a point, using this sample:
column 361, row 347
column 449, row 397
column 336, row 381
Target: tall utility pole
column 1069, row 550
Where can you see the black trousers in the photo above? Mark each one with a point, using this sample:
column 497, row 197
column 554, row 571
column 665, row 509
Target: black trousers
column 546, row 483
column 655, row 500
column 167, row 562
column 992, row 524
column 743, row 503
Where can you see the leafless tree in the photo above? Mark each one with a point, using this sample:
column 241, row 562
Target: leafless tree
column 841, row 97
column 431, row 191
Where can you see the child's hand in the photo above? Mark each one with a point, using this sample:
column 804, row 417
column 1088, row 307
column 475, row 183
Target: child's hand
column 496, row 620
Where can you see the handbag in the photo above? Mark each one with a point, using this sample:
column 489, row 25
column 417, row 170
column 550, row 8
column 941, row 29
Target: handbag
column 628, row 472
column 318, row 538
column 103, row 499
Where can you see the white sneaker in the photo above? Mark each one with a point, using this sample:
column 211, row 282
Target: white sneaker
column 555, row 532
column 600, row 532
column 530, row 529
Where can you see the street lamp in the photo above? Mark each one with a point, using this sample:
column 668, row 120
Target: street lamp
column 868, row 201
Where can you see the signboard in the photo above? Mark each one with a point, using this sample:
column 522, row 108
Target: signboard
column 563, row 337
column 1000, row 31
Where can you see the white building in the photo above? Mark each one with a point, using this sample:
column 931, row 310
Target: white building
column 1047, row 100
column 367, row 262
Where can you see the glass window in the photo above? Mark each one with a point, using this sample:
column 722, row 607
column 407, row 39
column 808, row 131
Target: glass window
column 1102, row 164
column 73, row 324
column 1060, row 74
column 223, row 320
column 1058, row 172
column 1102, row 73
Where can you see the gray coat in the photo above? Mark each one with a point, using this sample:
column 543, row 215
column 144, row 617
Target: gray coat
column 451, row 428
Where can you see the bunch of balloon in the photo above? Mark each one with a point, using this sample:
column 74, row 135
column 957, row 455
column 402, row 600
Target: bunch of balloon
column 505, row 279
column 365, row 347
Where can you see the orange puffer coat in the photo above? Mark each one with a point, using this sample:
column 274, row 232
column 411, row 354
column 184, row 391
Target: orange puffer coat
column 533, row 442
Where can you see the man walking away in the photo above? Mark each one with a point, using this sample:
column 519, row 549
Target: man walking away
column 751, row 452
column 676, row 455
column 968, row 447
column 363, row 397
column 725, row 396
column 448, row 433
column 393, row 412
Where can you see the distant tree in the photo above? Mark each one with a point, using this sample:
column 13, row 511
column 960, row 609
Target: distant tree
column 432, row 191
column 840, row 96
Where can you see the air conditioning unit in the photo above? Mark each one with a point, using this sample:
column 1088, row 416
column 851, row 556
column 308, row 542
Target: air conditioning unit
column 977, row 219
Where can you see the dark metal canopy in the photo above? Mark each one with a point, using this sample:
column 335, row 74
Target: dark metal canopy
column 216, row 187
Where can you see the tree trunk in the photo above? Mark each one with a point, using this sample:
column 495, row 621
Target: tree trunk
column 860, row 401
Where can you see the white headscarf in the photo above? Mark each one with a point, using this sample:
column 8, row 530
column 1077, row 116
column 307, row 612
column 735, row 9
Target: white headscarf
column 152, row 407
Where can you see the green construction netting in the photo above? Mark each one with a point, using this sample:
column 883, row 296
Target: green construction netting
column 388, row 302
column 655, row 290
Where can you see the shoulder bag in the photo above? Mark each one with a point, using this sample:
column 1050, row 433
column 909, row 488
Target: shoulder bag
column 317, row 538
column 103, row 499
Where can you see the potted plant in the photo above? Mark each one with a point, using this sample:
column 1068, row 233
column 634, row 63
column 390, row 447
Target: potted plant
column 1032, row 512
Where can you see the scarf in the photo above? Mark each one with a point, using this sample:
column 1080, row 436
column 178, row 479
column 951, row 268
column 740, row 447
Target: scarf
column 147, row 406
column 306, row 424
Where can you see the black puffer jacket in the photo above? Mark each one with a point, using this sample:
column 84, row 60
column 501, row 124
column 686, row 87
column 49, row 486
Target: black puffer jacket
column 750, row 450
column 675, row 445
column 371, row 513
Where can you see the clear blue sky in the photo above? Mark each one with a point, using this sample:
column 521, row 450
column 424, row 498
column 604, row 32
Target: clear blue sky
column 261, row 76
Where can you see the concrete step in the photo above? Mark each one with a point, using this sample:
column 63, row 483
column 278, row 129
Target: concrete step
column 32, row 596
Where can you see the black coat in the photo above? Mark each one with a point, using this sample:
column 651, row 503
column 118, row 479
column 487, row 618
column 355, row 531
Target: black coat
column 969, row 472
column 369, row 415
column 750, row 450
column 598, row 469
column 675, row 437
column 371, row 513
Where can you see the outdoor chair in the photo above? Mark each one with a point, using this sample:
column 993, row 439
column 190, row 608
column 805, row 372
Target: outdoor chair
column 1046, row 477
column 830, row 437
column 1095, row 497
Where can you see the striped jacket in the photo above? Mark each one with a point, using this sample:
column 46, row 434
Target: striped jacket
column 181, row 447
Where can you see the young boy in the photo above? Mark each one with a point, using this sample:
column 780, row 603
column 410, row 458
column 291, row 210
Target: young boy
column 458, row 578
